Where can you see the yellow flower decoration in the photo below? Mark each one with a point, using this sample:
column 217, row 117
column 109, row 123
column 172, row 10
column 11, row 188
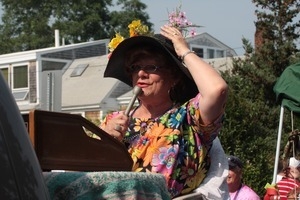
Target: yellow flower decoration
column 135, row 28
column 115, row 42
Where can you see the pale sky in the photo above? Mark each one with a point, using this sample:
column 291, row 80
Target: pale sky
column 226, row 20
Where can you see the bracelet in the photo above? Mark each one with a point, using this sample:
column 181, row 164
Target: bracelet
column 185, row 54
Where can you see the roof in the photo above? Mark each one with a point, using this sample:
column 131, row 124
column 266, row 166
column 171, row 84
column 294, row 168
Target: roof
column 89, row 88
column 71, row 51
column 205, row 39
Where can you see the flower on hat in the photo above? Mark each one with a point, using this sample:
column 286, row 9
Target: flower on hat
column 178, row 19
column 115, row 42
column 135, row 28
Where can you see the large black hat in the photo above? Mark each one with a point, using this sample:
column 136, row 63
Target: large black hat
column 116, row 64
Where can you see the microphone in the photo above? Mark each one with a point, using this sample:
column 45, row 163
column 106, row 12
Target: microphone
column 136, row 91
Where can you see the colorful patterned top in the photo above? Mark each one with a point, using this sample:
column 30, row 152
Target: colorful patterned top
column 174, row 144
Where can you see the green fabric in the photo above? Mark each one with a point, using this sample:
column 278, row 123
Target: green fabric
column 287, row 88
column 106, row 185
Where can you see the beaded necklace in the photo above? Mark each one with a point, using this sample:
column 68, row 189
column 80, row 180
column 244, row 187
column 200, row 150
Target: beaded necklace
column 237, row 193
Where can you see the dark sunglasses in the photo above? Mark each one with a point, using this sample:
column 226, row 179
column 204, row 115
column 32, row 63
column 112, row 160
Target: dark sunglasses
column 146, row 68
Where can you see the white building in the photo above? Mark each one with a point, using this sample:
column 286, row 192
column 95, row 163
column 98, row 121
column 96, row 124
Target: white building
column 70, row 78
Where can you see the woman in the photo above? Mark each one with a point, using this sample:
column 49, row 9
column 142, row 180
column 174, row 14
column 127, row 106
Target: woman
column 180, row 108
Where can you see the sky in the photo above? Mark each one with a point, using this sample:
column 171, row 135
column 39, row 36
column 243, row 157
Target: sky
column 226, row 20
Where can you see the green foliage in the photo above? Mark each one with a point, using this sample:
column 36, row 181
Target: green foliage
column 24, row 27
column 81, row 21
column 130, row 10
column 30, row 24
column 252, row 113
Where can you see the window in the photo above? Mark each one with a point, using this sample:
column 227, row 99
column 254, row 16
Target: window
column 21, row 95
column 198, row 51
column 20, row 77
column 49, row 65
column 17, row 79
column 219, row 53
column 79, row 69
column 4, row 72
column 210, row 53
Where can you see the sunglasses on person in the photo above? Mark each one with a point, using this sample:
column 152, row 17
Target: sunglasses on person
column 146, row 68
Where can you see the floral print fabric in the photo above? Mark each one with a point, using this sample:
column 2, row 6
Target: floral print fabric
column 174, row 144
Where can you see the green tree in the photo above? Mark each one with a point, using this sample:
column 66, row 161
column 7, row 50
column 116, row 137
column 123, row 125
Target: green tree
column 130, row 10
column 81, row 21
column 252, row 113
column 25, row 26
column 30, row 24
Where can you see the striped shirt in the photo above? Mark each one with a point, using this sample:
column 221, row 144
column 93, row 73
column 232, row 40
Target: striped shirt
column 285, row 185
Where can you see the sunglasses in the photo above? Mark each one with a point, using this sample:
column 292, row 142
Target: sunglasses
column 146, row 68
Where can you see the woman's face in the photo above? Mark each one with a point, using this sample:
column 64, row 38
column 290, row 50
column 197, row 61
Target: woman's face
column 154, row 84
column 234, row 176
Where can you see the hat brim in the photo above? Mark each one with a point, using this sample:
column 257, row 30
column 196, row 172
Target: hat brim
column 116, row 69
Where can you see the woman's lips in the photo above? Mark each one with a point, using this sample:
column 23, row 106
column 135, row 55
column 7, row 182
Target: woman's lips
column 142, row 85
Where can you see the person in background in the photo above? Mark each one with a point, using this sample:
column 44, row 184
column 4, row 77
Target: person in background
column 291, row 179
column 237, row 189
column 180, row 109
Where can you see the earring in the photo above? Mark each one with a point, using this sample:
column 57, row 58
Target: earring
column 172, row 94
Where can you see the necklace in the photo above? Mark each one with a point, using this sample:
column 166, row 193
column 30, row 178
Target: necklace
column 237, row 193
column 143, row 127
column 155, row 112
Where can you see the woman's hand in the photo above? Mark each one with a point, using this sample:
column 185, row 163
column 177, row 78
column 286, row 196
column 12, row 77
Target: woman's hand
column 179, row 43
column 211, row 85
column 116, row 125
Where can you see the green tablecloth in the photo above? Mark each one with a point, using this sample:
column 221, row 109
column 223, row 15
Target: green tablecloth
column 105, row 185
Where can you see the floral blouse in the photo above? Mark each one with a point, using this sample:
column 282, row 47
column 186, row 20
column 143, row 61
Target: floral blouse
column 174, row 144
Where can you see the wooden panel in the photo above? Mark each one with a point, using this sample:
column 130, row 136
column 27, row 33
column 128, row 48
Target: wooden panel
column 61, row 143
